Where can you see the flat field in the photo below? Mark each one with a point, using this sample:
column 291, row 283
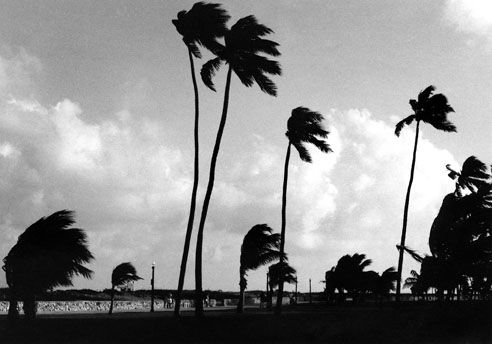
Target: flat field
column 463, row 322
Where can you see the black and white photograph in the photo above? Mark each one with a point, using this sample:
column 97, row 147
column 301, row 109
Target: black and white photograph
column 246, row 171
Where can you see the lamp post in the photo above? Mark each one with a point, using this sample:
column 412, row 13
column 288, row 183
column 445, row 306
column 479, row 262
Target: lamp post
column 310, row 297
column 152, row 288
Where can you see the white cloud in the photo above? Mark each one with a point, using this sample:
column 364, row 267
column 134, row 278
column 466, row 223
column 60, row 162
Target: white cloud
column 472, row 16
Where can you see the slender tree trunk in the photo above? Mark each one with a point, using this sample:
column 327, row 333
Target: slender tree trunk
column 280, row 292
column 206, row 201
column 112, row 300
column 242, row 288
column 405, row 214
column 189, row 227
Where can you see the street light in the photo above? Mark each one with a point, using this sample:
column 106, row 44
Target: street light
column 152, row 288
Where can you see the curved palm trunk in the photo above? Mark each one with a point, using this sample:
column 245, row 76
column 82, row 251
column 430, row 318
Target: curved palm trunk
column 405, row 214
column 206, row 201
column 112, row 300
column 189, row 227
column 278, row 307
column 242, row 288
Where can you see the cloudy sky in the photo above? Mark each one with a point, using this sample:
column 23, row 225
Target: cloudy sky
column 96, row 115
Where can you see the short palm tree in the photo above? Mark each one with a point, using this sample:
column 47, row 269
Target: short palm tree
column 47, row 255
column 472, row 176
column 242, row 49
column 349, row 271
column 122, row 274
column 386, row 282
column 432, row 109
column 275, row 272
column 201, row 25
column 303, row 126
column 259, row 247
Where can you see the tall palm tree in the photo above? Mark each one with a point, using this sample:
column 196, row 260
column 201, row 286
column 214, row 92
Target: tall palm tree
column 259, row 247
column 122, row 274
column 432, row 109
column 242, row 49
column 47, row 255
column 201, row 25
column 303, row 126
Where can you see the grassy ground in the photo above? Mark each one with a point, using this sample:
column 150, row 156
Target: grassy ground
column 410, row 323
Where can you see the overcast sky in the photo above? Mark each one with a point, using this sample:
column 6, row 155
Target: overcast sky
column 96, row 115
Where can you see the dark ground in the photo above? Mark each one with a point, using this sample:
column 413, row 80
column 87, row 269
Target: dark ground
column 464, row 322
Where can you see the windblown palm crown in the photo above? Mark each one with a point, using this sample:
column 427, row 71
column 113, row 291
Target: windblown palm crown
column 304, row 126
column 429, row 108
column 48, row 254
column 243, row 44
column 201, row 25
column 124, row 273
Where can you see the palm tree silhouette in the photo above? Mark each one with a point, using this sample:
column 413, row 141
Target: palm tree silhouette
column 259, row 247
column 122, row 274
column 386, row 282
column 472, row 176
column 47, row 255
column 303, row 126
column 201, row 25
column 429, row 108
column 279, row 274
column 243, row 43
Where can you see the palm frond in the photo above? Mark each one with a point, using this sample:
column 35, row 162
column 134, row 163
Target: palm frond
column 406, row 121
column 208, row 72
column 249, row 26
column 303, row 152
column 412, row 253
column 425, row 94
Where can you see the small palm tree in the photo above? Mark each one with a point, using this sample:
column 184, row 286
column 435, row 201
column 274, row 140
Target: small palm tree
column 201, row 25
column 47, row 255
column 304, row 126
column 349, row 271
column 242, row 49
column 279, row 274
column 428, row 108
column 386, row 282
column 122, row 274
column 259, row 247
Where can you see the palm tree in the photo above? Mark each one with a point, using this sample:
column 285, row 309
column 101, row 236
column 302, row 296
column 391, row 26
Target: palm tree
column 304, row 126
column 47, row 255
column 429, row 108
column 472, row 176
column 201, row 25
column 122, row 274
column 279, row 274
column 349, row 271
column 386, row 282
column 259, row 247
column 243, row 43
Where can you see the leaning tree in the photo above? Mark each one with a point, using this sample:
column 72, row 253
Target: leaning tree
column 202, row 25
column 47, row 255
column 121, row 275
column 432, row 109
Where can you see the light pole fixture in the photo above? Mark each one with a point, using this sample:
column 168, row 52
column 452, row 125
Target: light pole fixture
column 152, row 288
column 310, row 297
